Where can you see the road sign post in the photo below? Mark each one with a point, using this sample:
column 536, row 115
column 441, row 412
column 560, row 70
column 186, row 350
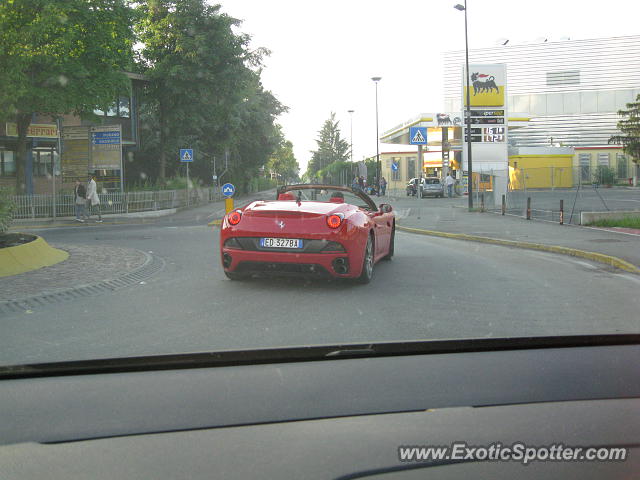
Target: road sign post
column 394, row 169
column 186, row 156
column 418, row 136
column 228, row 189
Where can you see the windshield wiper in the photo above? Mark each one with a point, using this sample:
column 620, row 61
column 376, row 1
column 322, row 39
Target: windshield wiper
column 337, row 352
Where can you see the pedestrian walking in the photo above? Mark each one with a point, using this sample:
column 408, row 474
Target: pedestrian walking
column 361, row 183
column 355, row 184
column 93, row 201
column 80, row 196
column 449, row 181
column 383, row 185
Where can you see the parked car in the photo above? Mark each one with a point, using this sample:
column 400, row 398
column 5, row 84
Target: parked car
column 432, row 187
column 429, row 186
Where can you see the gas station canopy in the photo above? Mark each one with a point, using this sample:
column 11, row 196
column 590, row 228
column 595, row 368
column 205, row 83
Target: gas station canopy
column 435, row 122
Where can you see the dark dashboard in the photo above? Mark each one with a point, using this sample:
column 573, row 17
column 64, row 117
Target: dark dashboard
column 333, row 418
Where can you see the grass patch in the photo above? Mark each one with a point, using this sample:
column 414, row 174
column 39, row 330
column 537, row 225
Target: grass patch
column 631, row 222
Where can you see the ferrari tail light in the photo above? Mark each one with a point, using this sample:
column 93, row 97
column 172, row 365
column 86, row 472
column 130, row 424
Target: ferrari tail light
column 234, row 217
column 335, row 220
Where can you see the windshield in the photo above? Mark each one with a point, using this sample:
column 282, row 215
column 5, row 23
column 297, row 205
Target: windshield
column 326, row 193
column 177, row 177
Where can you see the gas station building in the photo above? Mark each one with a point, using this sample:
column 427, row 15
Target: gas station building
column 442, row 150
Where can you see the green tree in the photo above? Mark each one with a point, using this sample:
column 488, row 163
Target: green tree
column 253, row 133
column 337, row 173
column 283, row 162
column 331, row 147
column 63, row 56
column 630, row 128
column 205, row 91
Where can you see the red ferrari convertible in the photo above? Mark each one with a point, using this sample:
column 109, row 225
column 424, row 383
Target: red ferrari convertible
column 309, row 229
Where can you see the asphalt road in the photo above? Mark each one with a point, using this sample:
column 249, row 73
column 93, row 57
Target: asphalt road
column 433, row 289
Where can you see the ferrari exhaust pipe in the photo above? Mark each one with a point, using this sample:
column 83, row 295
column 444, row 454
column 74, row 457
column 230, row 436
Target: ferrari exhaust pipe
column 341, row 266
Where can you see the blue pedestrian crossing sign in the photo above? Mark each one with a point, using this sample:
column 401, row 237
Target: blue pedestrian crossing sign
column 418, row 135
column 228, row 189
column 186, row 155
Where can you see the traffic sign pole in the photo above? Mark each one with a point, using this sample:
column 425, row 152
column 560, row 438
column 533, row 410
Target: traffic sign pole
column 186, row 156
column 228, row 190
column 419, row 184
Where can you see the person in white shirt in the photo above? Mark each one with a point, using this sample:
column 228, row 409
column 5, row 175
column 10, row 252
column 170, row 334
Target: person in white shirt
column 449, row 181
column 92, row 197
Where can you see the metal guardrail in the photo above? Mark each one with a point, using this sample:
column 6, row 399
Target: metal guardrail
column 41, row 206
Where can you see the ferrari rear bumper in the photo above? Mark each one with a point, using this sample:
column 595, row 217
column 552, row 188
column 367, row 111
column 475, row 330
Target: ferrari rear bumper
column 336, row 264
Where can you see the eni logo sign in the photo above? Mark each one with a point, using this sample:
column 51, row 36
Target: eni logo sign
column 486, row 85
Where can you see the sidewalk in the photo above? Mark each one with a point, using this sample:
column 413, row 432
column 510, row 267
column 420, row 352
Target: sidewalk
column 452, row 216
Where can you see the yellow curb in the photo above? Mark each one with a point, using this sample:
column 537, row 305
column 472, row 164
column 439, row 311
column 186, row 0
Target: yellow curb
column 594, row 256
column 214, row 222
column 29, row 256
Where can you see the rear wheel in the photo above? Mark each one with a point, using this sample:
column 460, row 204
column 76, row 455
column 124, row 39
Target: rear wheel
column 367, row 262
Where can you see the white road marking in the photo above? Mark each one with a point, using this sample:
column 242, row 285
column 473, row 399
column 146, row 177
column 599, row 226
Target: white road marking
column 633, row 278
column 402, row 213
column 614, row 231
column 588, row 265
column 561, row 259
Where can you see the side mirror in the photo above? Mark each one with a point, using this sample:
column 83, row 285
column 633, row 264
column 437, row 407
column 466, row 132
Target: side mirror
column 385, row 208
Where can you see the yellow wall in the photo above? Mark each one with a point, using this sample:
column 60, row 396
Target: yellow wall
column 537, row 171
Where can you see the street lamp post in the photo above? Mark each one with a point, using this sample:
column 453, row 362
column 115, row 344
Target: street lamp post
column 376, row 80
column 351, row 113
column 463, row 8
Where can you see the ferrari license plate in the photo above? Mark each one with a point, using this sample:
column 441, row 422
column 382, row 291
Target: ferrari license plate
column 280, row 243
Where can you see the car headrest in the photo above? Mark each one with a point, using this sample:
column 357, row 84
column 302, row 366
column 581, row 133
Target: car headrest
column 286, row 196
column 336, row 199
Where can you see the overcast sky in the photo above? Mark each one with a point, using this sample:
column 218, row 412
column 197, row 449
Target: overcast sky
column 325, row 52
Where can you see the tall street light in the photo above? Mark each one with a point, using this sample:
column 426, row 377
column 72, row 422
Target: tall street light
column 463, row 8
column 351, row 113
column 376, row 80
